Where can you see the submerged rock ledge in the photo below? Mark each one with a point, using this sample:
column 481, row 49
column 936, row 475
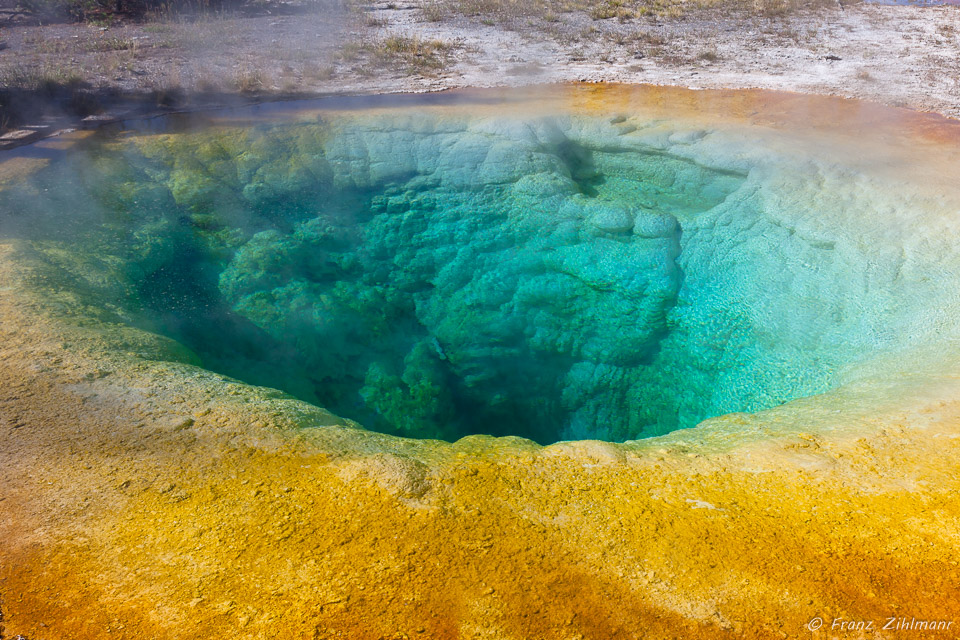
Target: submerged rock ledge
column 147, row 497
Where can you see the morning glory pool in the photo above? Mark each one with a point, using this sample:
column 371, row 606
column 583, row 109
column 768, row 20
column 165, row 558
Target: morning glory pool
column 434, row 273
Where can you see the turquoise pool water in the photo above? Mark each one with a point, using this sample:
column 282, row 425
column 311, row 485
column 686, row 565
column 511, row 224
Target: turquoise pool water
column 435, row 276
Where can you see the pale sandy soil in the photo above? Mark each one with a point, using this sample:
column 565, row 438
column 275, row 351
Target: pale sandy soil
column 900, row 56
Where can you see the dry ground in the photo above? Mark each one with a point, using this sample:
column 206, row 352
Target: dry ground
column 898, row 55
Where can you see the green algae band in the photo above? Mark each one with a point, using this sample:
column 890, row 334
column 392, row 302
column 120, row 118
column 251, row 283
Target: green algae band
column 433, row 276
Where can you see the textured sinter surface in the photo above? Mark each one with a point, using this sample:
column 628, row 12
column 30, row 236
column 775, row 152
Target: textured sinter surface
column 436, row 275
column 142, row 496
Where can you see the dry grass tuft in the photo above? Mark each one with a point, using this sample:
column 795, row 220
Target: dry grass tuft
column 708, row 55
column 113, row 44
column 409, row 53
column 612, row 9
column 506, row 11
column 249, row 80
column 433, row 11
column 45, row 79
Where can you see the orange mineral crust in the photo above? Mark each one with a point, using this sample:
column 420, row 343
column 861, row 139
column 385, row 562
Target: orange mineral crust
column 144, row 497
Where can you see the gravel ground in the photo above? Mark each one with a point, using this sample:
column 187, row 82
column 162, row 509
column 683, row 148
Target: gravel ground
column 898, row 55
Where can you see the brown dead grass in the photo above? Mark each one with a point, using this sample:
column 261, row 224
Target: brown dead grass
column 409, row 53
column 494, row 11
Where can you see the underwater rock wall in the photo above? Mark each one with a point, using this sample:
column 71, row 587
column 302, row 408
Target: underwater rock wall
column 552, row 277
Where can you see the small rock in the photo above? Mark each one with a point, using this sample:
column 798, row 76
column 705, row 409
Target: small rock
column 650, row 224
column 185, row 423
column 92, row 121
column 611, row 218
column 19, row 135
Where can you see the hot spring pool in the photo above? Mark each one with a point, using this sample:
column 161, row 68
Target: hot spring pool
column 567, row 265
column 438, row 272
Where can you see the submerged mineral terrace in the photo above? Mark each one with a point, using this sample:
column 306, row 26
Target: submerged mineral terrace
column 572, row 362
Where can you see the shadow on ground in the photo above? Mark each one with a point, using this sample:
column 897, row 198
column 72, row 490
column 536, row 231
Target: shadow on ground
column 30, row 113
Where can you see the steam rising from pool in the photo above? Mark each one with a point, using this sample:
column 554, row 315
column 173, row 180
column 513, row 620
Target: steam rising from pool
column 552, row 277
